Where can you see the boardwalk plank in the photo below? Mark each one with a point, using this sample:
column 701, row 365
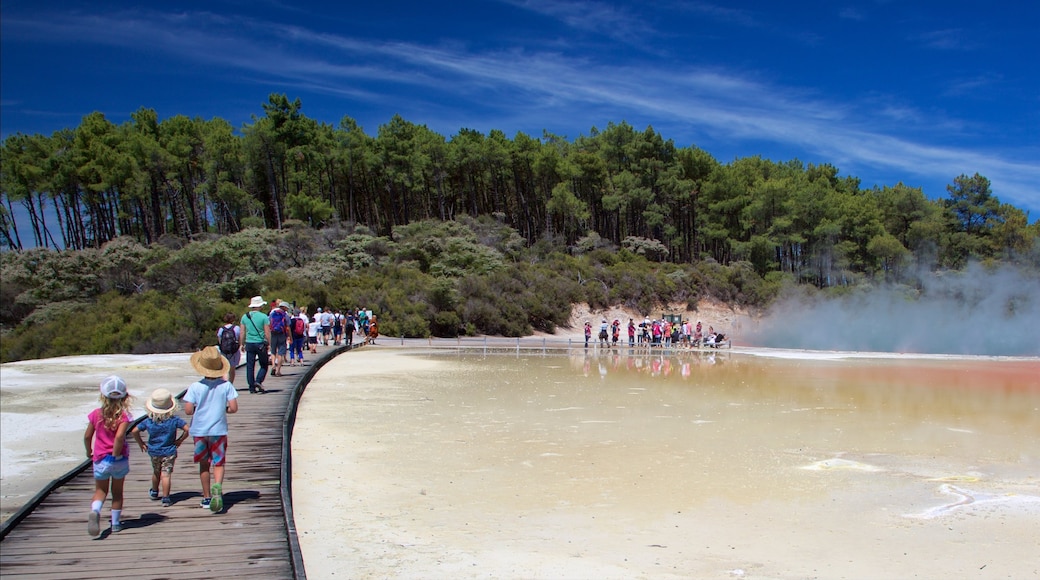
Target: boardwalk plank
column 184, row 540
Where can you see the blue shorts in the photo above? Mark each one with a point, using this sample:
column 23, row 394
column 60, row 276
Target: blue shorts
column 108, row 467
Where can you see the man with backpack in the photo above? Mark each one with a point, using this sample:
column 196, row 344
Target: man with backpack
column 348, row 328
column 229, row 341
column 279, row 335
column 298, row 334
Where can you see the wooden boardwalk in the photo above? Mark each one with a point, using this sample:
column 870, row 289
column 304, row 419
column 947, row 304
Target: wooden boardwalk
column 253, row 537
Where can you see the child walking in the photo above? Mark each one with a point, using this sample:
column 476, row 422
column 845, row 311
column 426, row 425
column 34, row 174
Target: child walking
column 162, row 425
column 105, row 440
column 208, row 401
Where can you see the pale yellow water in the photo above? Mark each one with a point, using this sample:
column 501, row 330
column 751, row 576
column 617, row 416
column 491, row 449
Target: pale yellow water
column 687, row 465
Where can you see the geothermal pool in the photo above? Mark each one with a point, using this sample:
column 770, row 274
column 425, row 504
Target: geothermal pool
column 619, row 465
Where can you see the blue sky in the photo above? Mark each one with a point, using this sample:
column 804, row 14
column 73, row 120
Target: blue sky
column 889, row 91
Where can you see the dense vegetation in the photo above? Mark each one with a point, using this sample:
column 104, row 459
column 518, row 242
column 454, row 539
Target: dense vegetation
column 156, row 228
column 469, row 276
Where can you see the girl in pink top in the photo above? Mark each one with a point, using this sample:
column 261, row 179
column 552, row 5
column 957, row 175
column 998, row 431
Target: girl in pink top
column 105, row 440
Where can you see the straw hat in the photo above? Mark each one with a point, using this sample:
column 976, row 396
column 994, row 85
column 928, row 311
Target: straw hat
column 161, row 403
column 210, row 363
column 257, row 302
column 113, row 387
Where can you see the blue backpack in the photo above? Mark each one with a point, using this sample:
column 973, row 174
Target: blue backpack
column 278, row 321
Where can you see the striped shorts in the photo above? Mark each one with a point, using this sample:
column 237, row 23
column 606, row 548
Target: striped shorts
column 210, row 448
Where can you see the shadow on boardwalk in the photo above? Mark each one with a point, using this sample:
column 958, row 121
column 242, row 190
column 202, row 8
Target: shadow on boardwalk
column 253, row 536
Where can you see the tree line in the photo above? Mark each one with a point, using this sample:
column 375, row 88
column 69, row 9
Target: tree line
column 183, row 178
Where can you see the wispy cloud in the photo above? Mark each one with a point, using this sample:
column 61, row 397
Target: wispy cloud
column 851, row 13
column 515, row 81
column 946, row 39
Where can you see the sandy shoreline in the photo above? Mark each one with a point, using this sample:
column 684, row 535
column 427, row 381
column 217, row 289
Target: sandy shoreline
column 387, row 487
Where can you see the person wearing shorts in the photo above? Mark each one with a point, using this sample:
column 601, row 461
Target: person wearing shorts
column 105, row 441
column 166, row 431
column 208, row 401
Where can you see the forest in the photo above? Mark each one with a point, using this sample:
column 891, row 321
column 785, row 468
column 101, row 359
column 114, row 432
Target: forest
column 195, row 214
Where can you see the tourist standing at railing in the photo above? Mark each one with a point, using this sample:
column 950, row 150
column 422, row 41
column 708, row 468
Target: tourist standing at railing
column 631, row 332
column 105, row 440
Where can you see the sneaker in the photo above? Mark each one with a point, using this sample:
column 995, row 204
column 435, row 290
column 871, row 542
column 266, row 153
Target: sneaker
column 117, row 527
column 166, row 502
column 205, row 503
column 94, row 523
column 218, row 499
column 154, row 494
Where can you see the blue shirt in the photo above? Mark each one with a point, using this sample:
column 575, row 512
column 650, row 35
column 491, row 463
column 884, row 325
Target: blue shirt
column 210, row 397
column 162, row 437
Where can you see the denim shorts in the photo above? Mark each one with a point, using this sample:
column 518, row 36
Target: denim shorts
column 109, row 467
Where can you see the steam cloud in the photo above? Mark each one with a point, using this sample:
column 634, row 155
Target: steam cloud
column 975, row 312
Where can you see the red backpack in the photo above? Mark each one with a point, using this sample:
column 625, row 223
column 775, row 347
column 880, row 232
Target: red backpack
column 299, row 327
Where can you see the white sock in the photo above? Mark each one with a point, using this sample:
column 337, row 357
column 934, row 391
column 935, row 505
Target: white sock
column 95, row 506
column 115, row 516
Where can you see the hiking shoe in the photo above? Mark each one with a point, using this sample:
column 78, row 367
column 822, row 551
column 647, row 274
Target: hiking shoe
column 217, row 503
column 154, row 494
column 166, row 502
column 205, row 502
column 117, row 527
column 94, row 523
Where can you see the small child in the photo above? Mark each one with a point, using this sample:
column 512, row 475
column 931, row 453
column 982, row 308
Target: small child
column 105, row 440
column 162, row 425
column 209, row 401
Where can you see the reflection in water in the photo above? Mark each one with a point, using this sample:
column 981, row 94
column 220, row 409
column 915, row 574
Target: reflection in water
column 743, row 427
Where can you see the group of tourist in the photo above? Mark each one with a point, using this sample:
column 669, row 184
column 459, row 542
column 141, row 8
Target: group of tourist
column 270, row 339
column 657, row 333
column 280, row 336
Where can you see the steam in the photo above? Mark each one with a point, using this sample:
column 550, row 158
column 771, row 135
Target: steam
column 974, row 312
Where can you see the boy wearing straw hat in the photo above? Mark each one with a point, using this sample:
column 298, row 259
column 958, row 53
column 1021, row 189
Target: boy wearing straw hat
column 208, row 401
column 162, row 425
